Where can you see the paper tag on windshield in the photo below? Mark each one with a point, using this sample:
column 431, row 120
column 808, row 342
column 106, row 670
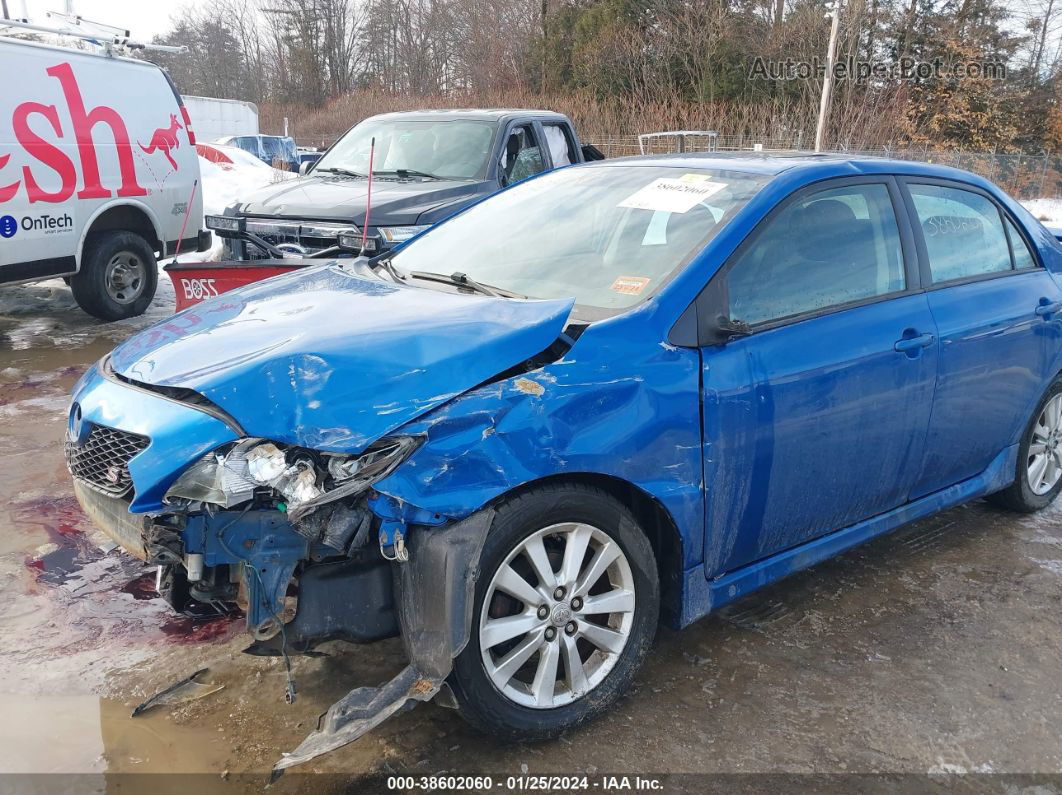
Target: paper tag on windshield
column 673, row 194
column 630, row 285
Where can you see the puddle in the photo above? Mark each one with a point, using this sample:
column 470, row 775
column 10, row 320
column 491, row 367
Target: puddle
column 97, row 736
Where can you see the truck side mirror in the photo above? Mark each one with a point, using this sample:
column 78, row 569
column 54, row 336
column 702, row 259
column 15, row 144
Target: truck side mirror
column 304, row 168
column 592, row 153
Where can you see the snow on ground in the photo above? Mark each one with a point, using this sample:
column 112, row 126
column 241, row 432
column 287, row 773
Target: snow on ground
column 1048, row 211
column 229, row 174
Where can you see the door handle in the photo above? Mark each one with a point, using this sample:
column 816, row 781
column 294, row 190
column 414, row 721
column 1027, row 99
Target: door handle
column 909, row 344
column 1044, row 310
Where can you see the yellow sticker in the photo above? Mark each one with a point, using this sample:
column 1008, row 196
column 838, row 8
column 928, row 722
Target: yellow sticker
column 630, row 285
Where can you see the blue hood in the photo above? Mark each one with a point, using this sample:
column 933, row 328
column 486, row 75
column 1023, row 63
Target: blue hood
column 326, row 359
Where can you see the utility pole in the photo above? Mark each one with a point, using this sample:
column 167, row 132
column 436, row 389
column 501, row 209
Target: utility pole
column 3, row 5
column 827, row 81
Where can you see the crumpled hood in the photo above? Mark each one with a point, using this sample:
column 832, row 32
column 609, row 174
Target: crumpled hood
column 330, row 360
column 394, row 202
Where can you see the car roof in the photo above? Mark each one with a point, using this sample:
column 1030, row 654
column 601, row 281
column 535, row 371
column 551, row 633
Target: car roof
column 473, row 114
column 810, row 165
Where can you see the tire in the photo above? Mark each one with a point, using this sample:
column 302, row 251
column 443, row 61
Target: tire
column 1023, row 495
column 118, row 276
column 558, row 516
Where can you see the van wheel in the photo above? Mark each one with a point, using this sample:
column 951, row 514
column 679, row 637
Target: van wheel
column 1039, row 476
column 118, row 276
column 566, row 608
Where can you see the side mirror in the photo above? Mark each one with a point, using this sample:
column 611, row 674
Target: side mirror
column 304, row 168
column 592, row 153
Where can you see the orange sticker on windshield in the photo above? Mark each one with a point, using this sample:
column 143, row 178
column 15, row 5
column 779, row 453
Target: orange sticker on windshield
column 631, row 285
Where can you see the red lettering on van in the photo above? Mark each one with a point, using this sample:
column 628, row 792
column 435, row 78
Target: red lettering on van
column 50, row 155
column 84, row 120
column 7, row 192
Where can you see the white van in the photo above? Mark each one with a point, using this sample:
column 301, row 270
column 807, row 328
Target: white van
column 99, row 175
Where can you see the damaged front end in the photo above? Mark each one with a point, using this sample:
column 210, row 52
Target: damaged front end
column 245, row 443
column 243, row 521
column 255, row 523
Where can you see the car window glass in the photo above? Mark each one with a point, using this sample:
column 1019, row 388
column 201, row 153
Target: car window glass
column 522, row 157
column 963, row 232
column 451, row 149
column 1023, row 258
column 831, row 247
column 608, row 236
column 559, row 146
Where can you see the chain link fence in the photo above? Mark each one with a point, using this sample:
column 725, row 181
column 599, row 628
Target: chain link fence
column 1023, row 175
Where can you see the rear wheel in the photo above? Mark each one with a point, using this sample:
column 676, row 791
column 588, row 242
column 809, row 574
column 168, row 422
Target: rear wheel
column 118, row 276
column 1039, row 476
column 565, row 612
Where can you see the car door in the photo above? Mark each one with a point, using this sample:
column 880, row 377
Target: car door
column 816, row 417
column 997, row 312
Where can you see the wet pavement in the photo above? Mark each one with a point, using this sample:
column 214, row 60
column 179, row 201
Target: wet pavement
column 935, row 650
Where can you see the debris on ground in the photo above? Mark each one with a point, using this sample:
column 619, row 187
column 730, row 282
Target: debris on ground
column 188, row 689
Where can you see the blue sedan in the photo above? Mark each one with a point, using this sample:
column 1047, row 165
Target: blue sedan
column 610, row 395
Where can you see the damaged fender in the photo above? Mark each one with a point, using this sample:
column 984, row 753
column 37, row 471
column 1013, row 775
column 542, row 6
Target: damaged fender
column 436, row 590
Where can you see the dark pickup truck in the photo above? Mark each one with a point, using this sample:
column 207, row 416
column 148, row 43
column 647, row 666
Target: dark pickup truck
column 426, row 166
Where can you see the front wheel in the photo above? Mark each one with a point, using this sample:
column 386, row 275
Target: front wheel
column 118, row 276
column 1039, row 477
column 565, row 612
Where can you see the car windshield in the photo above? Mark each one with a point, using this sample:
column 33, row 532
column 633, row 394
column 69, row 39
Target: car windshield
column 278, row 147
column 609, row 236
column 452, row 149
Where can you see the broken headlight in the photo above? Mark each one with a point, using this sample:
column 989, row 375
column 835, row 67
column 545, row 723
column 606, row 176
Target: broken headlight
column 218, row 478
column 296, row 476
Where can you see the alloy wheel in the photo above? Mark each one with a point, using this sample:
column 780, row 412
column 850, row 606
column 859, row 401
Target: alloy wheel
column 1045, row 448
column 556, row 616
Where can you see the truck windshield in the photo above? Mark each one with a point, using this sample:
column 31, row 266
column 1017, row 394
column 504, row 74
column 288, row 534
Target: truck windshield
column 609, row 236
column 450, row 149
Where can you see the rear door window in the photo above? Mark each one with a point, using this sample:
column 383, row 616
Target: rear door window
column 829, row 248
column 559, row 143
column 963, row 232
column 1023, row 257
column 522, row 157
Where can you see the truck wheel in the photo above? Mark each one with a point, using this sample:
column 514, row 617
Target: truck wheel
column 118, row 276
column 1038, row 479
column 566, row 608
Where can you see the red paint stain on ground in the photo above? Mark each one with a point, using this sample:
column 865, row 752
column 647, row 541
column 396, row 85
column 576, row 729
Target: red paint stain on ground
column 141, row 588
column 62, row 520
column 182, row 629
column 64, row 523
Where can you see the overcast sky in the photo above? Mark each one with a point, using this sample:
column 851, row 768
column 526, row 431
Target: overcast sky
column 147, row 18
column 143, row 18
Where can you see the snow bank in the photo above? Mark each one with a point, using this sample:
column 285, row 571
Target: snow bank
column 1049, row 211
column 229, row 174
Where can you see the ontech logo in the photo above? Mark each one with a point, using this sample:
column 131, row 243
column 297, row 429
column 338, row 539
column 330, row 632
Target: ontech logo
column 8, row 226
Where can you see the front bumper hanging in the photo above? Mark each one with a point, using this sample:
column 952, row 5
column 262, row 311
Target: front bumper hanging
column 435, row 594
